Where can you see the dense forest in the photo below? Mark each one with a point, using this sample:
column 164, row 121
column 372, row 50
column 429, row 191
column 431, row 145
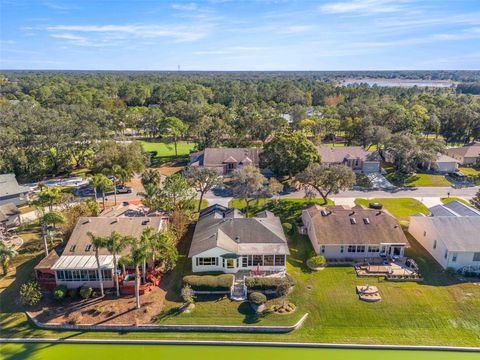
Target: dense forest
column 53, row 122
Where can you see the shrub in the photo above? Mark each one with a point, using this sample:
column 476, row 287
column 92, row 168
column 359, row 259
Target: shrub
column 450, row 271
column 267, row 283
column 86, row 292
column 209, row 282
column 60, row 292
column 375, row 205
column 283, row 289
column 287, row 227
column 317, row 261
column 257, row 298
column 187, row 294
column 75, row 318
column 363, row 181
column 30, row 293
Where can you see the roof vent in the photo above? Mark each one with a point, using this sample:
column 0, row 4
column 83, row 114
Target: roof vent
column 145, row 222
column 237, row 239
column 353, row 221
column 366, row 221
column 324, row 213
column 352, row 213
column 86, row 222
column 379, row 212
column 88, row 247
column 72, row 248
column 114, row 221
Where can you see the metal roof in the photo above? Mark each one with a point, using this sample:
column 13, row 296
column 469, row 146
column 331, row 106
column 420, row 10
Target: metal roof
column 83, row 262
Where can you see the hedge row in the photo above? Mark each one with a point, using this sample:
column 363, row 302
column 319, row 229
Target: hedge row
column 209, row 282
column 266, row 283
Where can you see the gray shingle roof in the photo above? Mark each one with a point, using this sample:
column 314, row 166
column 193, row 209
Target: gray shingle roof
column 457, row 233
column 220, row 156
column 331, row 155
column 230, row 230
column 461, row 208
column 8, row 210
column 9, row 186
column 440, row 210
column 466, row 151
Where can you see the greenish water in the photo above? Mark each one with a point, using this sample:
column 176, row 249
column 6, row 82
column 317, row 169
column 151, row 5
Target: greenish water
column 174, row 352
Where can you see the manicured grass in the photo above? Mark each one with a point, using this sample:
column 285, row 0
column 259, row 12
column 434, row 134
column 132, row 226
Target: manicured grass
column 167, row 149
column 401, row 208
column 446, row 200
column 469, row 171
column 434, row 180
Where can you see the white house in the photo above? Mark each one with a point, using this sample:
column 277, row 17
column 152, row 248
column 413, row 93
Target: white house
column 339, row 232
column 446, row 164
column 355, row 157
column 225, row 240
column 225, row 160
column 454, row 241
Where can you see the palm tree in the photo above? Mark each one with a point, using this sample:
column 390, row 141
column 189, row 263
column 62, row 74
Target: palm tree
column 146, row 240
column 139, row 255
column 121, row 175
column 6, row 255
column 151, row 176
column 98, row 242
column 53, row 218
column 115, row 243
column 103, row 183
column 150, row 196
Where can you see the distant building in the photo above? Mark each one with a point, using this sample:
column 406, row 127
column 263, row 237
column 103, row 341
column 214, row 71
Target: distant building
column 454, row 208
column 446, row 164
column 355, row 157
column 225, row 240
column 225, row 160
column 340, row 232
column 466, row 155
column 11, row 192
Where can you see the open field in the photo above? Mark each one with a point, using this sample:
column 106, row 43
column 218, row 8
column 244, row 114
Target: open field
column 401, row 208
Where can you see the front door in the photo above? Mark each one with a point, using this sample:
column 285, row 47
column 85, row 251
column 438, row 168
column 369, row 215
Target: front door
column 230, row 264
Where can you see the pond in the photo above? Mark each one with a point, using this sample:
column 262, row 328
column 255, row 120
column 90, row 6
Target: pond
column 107, row 351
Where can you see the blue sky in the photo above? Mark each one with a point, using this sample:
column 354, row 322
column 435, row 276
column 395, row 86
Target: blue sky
column 240, row 35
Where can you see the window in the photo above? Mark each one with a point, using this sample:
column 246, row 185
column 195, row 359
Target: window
column 342, row 249
column 68, row 275
column 352, row 248
column 257, row 260
column 279, row 260
column 446, row 254
column 434, row 244
column 60, row 275
column 244, row 261
column 424, row 233
column 454, row 257
column 93, row 275
column 476, row 256
column 88, row 247
column 373, row 248
column 207, row 261
column 268, row 260
column 322, row 250
column 353, row 221
column 84, row 275
column 107, row 274
column 361, row 248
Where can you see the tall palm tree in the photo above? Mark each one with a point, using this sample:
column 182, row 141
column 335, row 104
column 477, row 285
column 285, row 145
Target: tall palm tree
column 103, row 183
column 146, row 242
column 98, row 242
column 6, row 255
column 139, row 255
column 53, row 218
column 115, row 243
column 121, row 176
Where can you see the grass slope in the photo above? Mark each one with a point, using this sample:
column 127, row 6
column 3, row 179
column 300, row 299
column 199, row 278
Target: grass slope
column 446, row 200
column 167, row 149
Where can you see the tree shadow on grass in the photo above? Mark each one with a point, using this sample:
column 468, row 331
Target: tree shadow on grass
column 251, row 316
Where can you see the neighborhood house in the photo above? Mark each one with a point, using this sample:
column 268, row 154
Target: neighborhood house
column 77, row 265
column 453, row 241
column 446, row 164
column 9, row 216
column 466, row 155
column 339, row 232
column 225, row 160
column 225, row 240
column 453, row 208
column 11, row 192
column 355, row 157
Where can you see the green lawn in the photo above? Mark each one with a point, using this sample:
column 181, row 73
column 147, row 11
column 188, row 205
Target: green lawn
column 401, row 208
column 167, row 149
column 434, row 180
column 446, row 200
column 469, row 171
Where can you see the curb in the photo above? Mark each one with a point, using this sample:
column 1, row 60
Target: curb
column 172, row 328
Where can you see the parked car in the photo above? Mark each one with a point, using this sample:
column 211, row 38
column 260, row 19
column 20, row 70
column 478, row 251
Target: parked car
column 124, row 189
column 458, row 176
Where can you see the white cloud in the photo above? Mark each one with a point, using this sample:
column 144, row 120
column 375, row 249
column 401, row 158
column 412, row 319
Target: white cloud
column 185, row 7
column 295, row 29
column 119, row 32
column 362, row 7
column 231, row 50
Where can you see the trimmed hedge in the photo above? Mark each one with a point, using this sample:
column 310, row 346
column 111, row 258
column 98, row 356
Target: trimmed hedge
column 86, row 292
column 257, row 298
column 60, row 292
column 267, row 283
column 221, row 282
